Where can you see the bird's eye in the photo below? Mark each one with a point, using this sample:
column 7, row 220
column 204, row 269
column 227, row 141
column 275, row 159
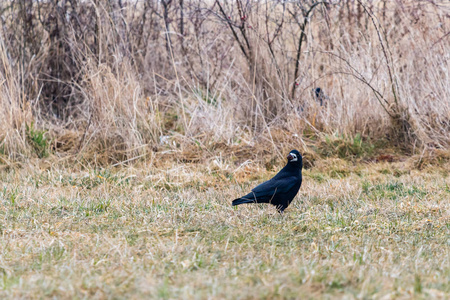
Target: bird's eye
column 292, row 157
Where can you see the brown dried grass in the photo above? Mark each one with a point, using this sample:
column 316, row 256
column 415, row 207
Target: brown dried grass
column 121, row 88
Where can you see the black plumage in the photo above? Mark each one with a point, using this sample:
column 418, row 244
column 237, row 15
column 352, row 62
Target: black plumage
column 320, row 96
column 281, row 189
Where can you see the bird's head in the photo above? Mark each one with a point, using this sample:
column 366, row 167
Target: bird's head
column 318, row 92
column 295, row 157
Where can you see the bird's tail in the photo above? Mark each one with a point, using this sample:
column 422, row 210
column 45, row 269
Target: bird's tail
column 242, row 201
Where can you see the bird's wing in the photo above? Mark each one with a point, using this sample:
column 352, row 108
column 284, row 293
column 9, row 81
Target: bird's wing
column 275, row 185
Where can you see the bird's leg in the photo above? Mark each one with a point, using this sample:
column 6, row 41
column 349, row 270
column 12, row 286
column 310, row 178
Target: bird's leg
column 280, row 209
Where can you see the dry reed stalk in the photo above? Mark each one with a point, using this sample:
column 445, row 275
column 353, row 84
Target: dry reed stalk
column 223, row 73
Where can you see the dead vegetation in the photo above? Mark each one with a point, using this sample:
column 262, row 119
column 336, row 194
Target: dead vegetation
column 114, row 81
column 169, row 231
column 126, row 128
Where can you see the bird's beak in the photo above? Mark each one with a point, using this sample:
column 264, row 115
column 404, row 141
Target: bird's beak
column 290, row 157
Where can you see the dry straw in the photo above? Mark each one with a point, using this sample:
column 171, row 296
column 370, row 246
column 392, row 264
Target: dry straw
column 117, row 80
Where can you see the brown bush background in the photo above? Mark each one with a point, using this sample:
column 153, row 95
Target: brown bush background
column 119, row 79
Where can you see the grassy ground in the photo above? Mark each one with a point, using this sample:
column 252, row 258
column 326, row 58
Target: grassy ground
column 355, row 231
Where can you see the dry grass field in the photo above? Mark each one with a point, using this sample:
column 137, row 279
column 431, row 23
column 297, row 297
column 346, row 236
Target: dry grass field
column 127, row 127
column 112, row 80
column 364, row 230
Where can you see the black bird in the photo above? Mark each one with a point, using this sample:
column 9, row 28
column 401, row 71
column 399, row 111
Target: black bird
column 281, row 189
column 320, row 96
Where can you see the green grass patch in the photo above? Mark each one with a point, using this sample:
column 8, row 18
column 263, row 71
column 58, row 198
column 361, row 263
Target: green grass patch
column 38, row 140
column 345, row 146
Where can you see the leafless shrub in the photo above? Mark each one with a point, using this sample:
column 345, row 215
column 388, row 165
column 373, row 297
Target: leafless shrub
column 124, row 75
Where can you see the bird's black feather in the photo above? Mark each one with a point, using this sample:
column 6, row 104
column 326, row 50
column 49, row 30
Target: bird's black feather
column 281, row 189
